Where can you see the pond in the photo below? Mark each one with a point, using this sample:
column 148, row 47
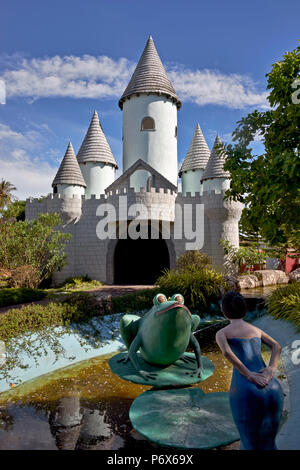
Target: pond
column 58, row 391
column 84, row 406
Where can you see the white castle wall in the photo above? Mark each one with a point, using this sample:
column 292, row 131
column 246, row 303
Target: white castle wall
column 216, row 184
column 158, row 147
column 97, row 176
column 190, row 181
column 87, row 254
column 69, row 190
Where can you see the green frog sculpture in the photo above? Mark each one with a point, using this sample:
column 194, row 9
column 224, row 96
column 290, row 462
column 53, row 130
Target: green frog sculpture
column 162, row 336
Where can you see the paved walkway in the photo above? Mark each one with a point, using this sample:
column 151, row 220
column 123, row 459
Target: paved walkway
column 100, row 292
column 285, row 333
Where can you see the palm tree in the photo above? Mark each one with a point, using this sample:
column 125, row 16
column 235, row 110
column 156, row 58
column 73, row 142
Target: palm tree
column 6, row 196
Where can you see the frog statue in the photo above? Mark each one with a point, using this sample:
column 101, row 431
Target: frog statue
column 162, row 335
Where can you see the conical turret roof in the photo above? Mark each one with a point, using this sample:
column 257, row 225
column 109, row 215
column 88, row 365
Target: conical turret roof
column 215, row 165
column 95, row 147
column 198, row 153
column 69, row 171
column 150, row 76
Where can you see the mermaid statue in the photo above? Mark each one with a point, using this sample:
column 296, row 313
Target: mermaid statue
column 256, row 397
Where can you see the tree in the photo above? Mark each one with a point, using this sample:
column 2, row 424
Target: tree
column 269, row 184
column 32, row 250
column 14, row 210
column 6, row 196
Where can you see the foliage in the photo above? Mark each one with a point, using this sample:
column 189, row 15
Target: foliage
column 79, row 283
column 284, row 303
column 9, row 296
column 6, row 196
column 14, row 210
column 268, row 184
column 200, row 288
column 78, row 308
column 129, row 303
column 33, row 243
column 192, row 259
column 249, row 255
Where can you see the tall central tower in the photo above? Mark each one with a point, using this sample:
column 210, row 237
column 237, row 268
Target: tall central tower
column 150, row 106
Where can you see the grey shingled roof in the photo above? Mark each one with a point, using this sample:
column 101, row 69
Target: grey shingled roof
column 198, row 153
column 95, row 147
column 215, row 165
column 150, row 76
column 69, row 171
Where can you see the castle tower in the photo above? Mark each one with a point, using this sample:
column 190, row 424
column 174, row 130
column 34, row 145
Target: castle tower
column 96, row 160
column 150, row 105
column 69, row 180
column 214, row 176
column 192, row 168
column 222, row 215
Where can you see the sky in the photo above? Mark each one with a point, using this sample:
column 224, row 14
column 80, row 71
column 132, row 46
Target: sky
column 61, row 60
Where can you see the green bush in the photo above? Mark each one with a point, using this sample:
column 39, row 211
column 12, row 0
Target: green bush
column 284, row 303
column 79, row 282
column 79, row 308
column 35, row 243
column 200, row 288
column 192, row 259
column 10, row 296
column 128, row 303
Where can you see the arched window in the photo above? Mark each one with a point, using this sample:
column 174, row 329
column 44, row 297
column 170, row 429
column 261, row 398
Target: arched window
column 55, row 189
column 148, row 124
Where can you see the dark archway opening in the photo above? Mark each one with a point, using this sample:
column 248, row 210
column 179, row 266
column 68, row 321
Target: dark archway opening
column 140, row 261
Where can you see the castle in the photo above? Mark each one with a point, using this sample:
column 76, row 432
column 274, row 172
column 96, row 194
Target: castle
column 85, row 188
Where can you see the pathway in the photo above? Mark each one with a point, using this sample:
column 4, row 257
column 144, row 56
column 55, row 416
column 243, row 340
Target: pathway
column 100, row 292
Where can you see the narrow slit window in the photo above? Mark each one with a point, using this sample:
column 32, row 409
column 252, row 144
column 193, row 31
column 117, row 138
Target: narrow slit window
column 148, row 124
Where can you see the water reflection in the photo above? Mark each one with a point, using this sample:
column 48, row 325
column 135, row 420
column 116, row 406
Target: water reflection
column 84, row 407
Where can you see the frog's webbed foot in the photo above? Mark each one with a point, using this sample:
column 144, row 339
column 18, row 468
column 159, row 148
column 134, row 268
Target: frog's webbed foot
column 188, row 359
column 123, row 360
column 198, row 373
column 148, row 375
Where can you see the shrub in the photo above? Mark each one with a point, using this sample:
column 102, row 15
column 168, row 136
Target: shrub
column 33, row 243
column 192, row 259
column 80, row 282
column 284, row 303
column 10, row 296
column 200, row 288
column 78, row 308
column 24, row 276
column 133, row 302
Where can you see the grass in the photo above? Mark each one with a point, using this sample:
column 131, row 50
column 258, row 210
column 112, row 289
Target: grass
column 284, row 303
column 78, row 308
column 15, row 296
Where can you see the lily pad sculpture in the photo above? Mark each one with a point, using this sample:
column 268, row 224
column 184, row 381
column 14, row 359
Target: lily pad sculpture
column 184, row 418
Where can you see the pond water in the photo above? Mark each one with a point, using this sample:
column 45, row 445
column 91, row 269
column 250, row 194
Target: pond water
column 84, row 406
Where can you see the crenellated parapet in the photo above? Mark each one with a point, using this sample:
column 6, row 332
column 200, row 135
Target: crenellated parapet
column 69, row 208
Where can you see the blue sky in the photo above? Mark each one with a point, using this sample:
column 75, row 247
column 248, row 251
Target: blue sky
column 60, row 60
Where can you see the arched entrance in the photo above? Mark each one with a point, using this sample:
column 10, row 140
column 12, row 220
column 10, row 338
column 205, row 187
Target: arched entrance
column 140, row 261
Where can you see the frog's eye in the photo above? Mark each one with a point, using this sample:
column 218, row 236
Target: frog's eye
column 178, row 298
column 159, row 299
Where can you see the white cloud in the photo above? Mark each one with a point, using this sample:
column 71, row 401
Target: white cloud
column 102, row 77
column 69, row 76
column 205, row 87
column 21, row 163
